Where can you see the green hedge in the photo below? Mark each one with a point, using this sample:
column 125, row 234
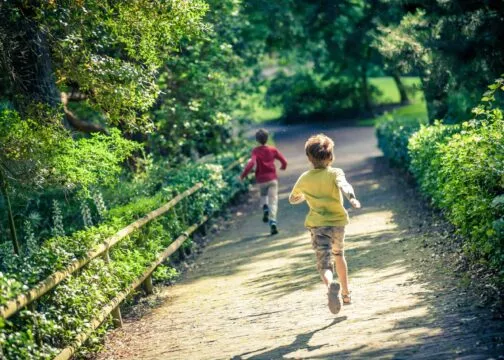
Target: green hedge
column 425, row 161
column 461, row 169
column 394, row 130
column 67, row 310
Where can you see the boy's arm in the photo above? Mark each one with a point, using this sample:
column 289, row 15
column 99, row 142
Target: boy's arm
column 344, row 186
column 296, row 196
column 281, row 158
column 250, row 166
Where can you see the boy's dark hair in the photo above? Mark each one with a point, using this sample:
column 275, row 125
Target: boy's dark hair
column 262, row 136
column 319, row 149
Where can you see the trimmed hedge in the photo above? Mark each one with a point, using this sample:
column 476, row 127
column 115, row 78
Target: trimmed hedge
column 394, row 130
column 461, row 169
column 66, row 311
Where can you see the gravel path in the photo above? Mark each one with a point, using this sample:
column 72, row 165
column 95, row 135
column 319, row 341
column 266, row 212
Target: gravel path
column 253, row 296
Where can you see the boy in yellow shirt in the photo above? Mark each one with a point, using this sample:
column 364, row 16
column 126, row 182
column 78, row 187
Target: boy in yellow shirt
column 322, row 188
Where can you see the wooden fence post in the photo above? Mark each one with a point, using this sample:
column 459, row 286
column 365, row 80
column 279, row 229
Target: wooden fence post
column 147, row 285
column 203, row 230
column 10, row 216
column 116, row 313
column 117, row 317
column 33, row 308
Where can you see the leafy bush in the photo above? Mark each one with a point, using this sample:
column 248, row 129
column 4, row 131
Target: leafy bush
column 463, row 173
column 67, row 310
column 426, row 164
column 393, row 134
column 461, row 169
column 307, row 95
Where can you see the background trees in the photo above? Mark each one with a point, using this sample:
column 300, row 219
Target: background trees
column 161, row 79
column 455, row 46
column 331, row 48
column 69, row 69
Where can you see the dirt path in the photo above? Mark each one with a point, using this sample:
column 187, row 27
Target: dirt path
column 252, row 296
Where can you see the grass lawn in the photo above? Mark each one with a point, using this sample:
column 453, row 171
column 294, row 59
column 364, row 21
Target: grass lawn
column 388, row 93
column 412, row 111
column 253, row 107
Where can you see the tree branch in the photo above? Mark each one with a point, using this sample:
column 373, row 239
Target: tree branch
column 77, row 123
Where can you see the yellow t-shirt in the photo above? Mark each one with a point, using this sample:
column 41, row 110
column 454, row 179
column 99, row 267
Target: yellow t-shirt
column 321, row 190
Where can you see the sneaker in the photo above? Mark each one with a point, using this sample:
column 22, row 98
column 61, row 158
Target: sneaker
column 265, row 213
column 274, row 229
column 333, row 295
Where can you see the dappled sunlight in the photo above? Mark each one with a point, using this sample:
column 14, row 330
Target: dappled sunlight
column 251, row 295
column 368, row 221
column 283, row 196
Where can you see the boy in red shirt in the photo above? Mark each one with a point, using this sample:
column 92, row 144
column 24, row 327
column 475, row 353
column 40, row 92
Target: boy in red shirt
column 263, row 158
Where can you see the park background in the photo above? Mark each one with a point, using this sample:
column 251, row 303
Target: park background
column 110, row 109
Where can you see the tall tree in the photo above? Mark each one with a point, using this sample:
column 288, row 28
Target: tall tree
column 456, row 46
column 61, row 60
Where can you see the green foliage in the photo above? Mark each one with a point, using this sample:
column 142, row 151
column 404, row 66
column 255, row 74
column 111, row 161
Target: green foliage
column 307, row 94
column 57, row 220
column 455, row 46
column 461, row 169
column 67, row 310
column 93, row 160
column 110, row 51
column 252, row 107
column 325, row 47
column 426, row 160
column 393, row 133
column 386, row 91
column 36, row 154
column 198, row 88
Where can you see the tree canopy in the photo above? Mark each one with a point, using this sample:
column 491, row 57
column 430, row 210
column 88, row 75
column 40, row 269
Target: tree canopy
column 90, row 88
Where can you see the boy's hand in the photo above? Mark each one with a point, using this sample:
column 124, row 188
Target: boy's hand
column 355, row 203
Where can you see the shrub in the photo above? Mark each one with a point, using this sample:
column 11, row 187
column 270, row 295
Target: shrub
column 425, row 164
column 393, row 134
column 461, row 169
column 67, row 310
column 310, row 96
column 472, row 177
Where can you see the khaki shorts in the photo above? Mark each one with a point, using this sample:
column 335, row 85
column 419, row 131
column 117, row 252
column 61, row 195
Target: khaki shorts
column 327, row 241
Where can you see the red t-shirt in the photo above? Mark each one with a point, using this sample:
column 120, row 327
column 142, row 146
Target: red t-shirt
column 263, row 157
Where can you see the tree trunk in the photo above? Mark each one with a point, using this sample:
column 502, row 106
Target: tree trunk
column 366, row 96
column 30, row 67
column 12, row 225
column 434, row 84
column 402, row 89
column 436, row 98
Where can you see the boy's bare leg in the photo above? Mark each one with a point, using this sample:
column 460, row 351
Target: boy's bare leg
column 342, row 271
column 327, row 277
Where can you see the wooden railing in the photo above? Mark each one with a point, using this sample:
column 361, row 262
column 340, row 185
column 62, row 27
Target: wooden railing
column 102, row 250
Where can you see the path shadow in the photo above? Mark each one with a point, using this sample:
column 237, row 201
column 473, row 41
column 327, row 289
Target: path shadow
column 405, row 248
column 300, row 343
column 448, row 325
